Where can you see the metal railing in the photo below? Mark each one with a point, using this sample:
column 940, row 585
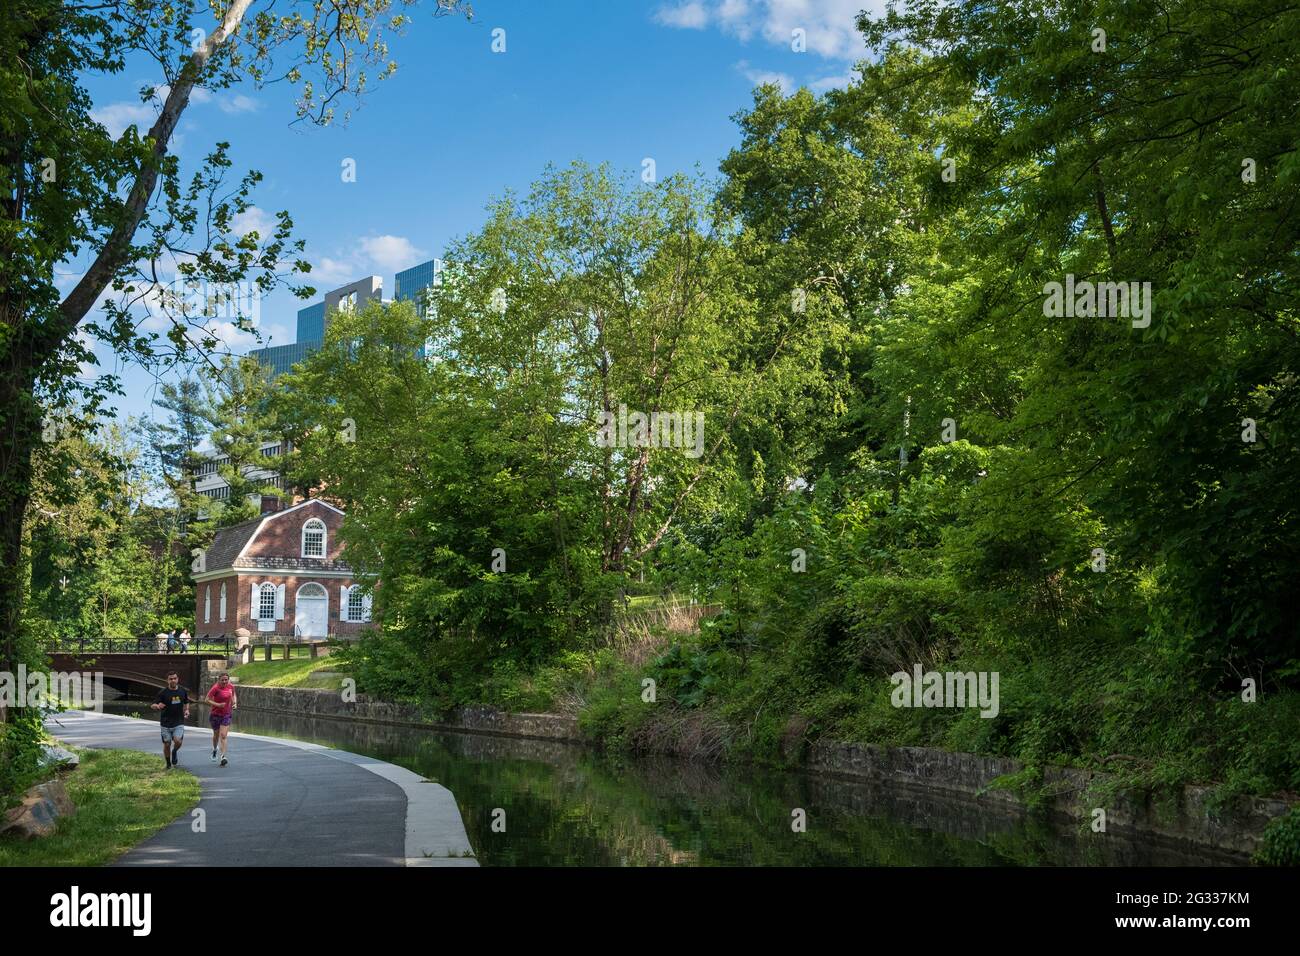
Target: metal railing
column 223, row 644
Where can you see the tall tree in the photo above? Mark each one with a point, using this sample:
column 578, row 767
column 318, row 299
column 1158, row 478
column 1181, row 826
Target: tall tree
column 1154, row 145
column 243, row 417
column 506, row 485
column 174, row 442
column 68, row 188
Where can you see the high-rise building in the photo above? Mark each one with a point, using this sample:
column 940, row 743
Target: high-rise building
column 352, row 297
column 311, row 323
column 209, row 483
column 409, row 284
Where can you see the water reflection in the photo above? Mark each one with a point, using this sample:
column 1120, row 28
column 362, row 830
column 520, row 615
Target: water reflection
column 566, row 805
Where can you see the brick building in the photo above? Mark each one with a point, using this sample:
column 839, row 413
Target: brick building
column 281, row 574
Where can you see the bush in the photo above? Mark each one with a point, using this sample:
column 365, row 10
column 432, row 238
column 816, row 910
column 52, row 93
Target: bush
column 20, row 750
column 1280, row 845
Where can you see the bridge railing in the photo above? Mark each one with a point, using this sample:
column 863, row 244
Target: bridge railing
column 138, row 645
column 288, row 646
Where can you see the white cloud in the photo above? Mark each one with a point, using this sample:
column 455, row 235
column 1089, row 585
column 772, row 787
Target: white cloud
column 231, row 338
column 239, row 103
column 759, row 77
column 686, row 16
column 116, row 117
column 830, row 26
column 372, row 255
column 254, row 219
column 329, row 273
column 391, row 253
column 87, row 370
column 837, row 81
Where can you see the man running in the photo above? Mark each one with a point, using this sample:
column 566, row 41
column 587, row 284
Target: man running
column 223, row 700
column 174, row 702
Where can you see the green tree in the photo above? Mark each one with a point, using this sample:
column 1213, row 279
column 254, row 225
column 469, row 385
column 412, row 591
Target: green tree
column 242, row 414
column 498, row 484
column 93, row 570
column 1160, row 153
column 68, row 188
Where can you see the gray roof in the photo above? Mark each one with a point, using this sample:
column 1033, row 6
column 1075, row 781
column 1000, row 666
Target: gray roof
column 229, row 542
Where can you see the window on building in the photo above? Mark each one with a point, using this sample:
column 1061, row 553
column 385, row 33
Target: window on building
column 207, row 604
column 356, row 605
column 313, row 539
column 266, row 603
column 223, row 601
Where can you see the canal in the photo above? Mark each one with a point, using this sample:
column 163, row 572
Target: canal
column 568, row 805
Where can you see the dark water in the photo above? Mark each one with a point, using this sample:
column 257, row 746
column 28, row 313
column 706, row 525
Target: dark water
column 567, row 805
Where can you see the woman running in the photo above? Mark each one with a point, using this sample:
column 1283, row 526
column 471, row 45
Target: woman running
column 223, row 699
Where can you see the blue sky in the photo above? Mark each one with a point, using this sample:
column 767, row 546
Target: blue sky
column 614, row 81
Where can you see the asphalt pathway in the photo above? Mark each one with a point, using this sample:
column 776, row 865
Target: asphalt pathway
column 285, row 803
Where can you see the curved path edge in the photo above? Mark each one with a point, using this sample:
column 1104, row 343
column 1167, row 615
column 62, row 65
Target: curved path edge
column 435, row 833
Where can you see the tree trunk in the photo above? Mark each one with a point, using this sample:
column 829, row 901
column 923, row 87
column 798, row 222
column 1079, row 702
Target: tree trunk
column 30, row 342
column 19, row 424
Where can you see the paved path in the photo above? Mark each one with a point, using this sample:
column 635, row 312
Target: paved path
column 286, row 803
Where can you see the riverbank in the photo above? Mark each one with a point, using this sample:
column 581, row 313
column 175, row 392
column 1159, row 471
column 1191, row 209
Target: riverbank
column 1189, row 815
column 122, row 798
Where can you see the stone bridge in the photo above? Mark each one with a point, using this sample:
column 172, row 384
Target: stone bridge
column 150, row 670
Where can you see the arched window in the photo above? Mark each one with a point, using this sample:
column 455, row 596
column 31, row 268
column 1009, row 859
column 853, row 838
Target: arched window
column 354, row 604
column 207, row 604
column 266, row 603
column 311, row 590
column 313, row 539
column 223, row 601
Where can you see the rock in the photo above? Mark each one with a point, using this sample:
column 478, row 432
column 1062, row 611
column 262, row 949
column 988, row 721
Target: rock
column 56, row 756
column 39, row 812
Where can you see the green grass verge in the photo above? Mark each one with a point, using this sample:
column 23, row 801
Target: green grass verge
column 296, row 651
column 290, row 673
column 122, row 797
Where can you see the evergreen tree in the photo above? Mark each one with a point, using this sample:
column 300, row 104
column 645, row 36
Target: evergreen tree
column 243, row 419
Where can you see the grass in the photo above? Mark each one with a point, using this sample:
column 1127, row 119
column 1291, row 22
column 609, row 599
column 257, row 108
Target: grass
column 290, row 673
column 296, row 651
column 122, row 797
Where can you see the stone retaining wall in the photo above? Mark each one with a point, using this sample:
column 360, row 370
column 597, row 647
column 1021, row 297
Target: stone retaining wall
column 329, row 703
column 1185, row 818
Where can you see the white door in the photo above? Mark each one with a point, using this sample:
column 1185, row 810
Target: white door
column 313, row 611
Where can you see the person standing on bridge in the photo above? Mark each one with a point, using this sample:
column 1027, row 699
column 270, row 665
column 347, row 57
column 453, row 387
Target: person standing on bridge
column 223, row 699
column 174, row 702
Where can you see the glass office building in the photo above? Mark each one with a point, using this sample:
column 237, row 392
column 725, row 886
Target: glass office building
column 409, row 283
column 409, row 286
column 311, row 323
column 280, row 358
